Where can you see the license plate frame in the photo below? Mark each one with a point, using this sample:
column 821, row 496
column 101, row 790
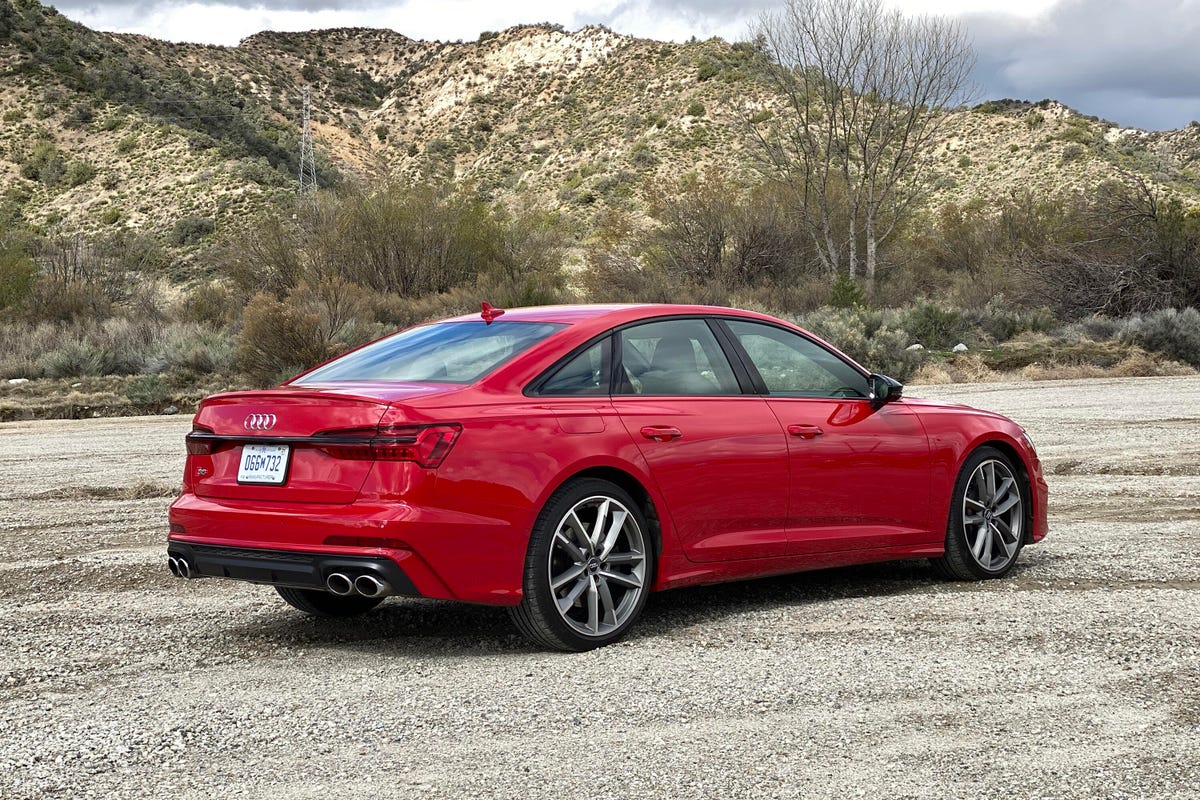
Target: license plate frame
column 264, row 464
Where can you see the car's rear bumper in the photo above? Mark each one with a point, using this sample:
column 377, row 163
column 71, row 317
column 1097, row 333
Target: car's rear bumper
column 287, row 567
column 441, row 553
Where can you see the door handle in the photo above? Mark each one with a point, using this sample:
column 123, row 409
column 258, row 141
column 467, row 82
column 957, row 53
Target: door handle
column 661, row 433
column 805, row 431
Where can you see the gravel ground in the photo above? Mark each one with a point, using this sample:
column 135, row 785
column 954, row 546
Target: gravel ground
column 1076, row 677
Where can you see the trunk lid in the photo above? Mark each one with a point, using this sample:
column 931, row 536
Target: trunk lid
column 288, row 425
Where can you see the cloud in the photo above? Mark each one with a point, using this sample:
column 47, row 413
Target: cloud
column 1136, row 63
column 1132, row 61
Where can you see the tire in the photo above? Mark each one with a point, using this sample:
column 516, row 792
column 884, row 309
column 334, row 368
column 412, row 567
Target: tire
column 326, row 604
column 988, row 515
column 587, row 574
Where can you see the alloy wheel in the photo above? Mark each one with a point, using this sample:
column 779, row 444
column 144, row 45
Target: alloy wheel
column 597, row 566
column 993, row 515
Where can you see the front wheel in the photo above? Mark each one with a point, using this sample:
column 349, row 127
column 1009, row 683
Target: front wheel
column 987, row 518
column 588, row 569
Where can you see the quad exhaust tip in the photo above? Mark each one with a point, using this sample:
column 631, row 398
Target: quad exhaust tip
column 343, row 585
column 339, row 584
column 370, row 586
column 179, row 567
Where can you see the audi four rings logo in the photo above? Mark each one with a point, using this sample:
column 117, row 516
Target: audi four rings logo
column 259, row 422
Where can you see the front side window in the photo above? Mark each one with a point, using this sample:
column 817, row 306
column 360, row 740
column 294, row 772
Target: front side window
column 792, row 365
column 674, row 357
column 442, row 352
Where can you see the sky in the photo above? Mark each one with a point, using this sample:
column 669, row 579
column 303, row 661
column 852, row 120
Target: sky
column 1134, row 62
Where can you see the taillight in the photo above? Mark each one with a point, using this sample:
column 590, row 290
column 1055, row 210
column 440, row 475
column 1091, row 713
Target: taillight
column 198, row 441
column 425, row 445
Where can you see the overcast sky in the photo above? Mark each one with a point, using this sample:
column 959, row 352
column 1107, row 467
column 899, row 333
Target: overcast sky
column 1135, row 62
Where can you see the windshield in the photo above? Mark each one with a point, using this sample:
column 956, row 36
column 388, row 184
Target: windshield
column 443, row 352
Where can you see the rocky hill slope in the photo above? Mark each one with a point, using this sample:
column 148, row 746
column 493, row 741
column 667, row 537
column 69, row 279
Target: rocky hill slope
column 101, row 130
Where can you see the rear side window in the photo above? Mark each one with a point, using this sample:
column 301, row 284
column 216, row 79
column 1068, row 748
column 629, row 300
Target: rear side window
column 674, row 358
column 585, row 374
column 444, row 352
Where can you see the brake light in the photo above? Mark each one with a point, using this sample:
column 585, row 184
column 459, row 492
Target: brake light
column 198, row 443
column 424, row 445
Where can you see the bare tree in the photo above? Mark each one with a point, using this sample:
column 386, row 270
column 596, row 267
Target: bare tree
column 864, row 90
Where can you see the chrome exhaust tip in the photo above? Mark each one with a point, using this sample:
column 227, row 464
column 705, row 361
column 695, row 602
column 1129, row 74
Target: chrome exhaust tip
column 185, row 569
column 339, row 584
column 173, row 566
column 370, row 586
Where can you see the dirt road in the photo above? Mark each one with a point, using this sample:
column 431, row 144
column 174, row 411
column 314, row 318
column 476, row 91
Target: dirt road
column 1078, row 676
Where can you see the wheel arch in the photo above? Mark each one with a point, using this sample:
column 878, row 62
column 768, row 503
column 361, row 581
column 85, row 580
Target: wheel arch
column 637, row 491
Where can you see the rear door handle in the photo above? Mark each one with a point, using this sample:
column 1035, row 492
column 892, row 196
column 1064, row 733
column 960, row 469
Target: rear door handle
column 805, row 431
column 661, row 433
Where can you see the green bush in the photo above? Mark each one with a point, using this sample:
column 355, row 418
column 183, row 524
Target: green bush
column 936, row 327
column 847, row 293
column 696, row 109
column 193, row 348
column 17, row 274
column 278, row 339
column 191, row 230
column 146, row 390
column 872, row 338
column 72, row 359
column 1174, row 333
column 1002, row 322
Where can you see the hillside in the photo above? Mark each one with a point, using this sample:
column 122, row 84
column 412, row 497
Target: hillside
column 101, row 130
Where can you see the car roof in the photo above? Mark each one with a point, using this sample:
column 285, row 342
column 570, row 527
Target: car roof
column 606, row 315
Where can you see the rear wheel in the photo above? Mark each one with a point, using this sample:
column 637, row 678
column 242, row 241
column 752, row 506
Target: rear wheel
column 326, row 604
column 987, row 518
column 588, row 569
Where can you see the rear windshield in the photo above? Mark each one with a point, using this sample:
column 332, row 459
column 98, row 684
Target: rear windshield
column 444, row 352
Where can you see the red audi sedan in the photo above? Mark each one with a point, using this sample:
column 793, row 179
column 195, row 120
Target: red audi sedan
column 564, row 462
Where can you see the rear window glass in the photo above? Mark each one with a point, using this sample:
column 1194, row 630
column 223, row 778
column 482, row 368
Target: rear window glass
column 444, row 352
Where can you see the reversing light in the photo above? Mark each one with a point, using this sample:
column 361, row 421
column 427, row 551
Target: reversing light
column 198, row 443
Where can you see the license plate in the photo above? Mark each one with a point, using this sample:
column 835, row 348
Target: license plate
column 264, row 463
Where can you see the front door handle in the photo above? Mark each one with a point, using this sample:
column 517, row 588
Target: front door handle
column 805, row 431
column 661, row 433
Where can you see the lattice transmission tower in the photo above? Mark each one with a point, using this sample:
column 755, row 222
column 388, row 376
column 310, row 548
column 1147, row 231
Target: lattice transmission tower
column 308, row 161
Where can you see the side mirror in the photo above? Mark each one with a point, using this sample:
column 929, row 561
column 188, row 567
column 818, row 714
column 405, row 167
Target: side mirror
column 884, row 389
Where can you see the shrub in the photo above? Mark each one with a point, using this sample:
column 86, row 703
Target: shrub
column 872, row 338
column 17, row 273
column 846, row 293
column 1174, row 333
column 278, row 339
column 696, row 109
column 706, row 71
column 146, row 390
column 191, row 230
column 193, row 348
column 936, row 327
column 1002, row 322
column 72, row 359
